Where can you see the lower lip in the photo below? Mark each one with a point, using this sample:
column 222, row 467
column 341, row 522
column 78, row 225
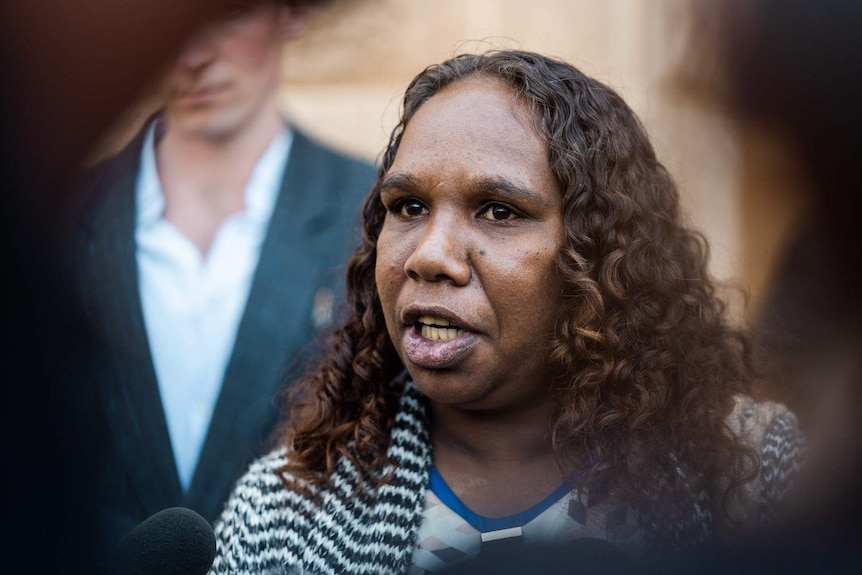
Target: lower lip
column 436, row 354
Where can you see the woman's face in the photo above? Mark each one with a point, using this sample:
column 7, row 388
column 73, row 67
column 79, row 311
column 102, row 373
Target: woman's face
column 465, row 258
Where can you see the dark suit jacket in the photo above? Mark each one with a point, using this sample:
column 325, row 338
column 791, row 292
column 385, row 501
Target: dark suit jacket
column 313, row 230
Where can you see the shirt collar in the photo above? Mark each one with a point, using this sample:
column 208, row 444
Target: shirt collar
column 261, row 190
column 264, row 184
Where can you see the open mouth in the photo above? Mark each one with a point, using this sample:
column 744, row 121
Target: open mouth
column 436, row 342
column 437, row 328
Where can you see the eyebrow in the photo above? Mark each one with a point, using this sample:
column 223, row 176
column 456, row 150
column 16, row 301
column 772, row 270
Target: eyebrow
column 400, row 181
column 408, row 182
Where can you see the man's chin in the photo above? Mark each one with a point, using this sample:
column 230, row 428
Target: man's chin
column 205, row 125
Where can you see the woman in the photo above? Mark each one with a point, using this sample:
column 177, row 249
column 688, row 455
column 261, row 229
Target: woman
column 534, row 351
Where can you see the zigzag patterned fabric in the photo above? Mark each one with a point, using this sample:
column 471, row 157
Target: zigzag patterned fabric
column 268, row 529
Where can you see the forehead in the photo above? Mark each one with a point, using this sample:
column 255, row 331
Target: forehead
column 477, row 125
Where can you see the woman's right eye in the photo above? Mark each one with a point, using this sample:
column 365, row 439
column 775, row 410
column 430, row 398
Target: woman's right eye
column 410, row 208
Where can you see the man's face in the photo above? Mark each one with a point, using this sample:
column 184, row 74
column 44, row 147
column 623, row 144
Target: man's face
column 228, row 73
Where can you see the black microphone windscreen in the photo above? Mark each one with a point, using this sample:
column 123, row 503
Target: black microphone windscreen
column 173, row 541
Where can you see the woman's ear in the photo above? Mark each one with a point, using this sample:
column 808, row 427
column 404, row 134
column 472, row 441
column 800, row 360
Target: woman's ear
column 293, row 20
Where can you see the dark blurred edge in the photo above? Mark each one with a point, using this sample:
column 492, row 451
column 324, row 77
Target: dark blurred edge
column 67, row 71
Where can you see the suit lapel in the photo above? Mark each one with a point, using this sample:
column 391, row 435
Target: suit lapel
column 275, row 325
column 127, row 381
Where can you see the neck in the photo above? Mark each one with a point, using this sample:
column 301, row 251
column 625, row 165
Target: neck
column 204, row 178
column 493, row 438
column 211, row 161
column 497, row 464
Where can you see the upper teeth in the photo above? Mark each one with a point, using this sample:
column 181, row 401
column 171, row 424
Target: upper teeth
column 435, row 328
column 433, row 320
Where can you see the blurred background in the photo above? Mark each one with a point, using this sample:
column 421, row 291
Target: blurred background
column 69, row 66
column 344, row 78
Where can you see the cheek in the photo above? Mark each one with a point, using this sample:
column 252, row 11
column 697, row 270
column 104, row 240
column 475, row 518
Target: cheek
column 389, row 268
column 533, row 288
column 531, row 270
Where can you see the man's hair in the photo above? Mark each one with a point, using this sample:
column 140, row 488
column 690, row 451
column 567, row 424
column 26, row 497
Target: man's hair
column 653, row 363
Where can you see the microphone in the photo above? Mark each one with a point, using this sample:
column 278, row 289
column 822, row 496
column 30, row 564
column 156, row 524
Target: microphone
column 173, row 541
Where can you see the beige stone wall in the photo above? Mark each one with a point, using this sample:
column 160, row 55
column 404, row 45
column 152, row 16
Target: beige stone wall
column 344, row 78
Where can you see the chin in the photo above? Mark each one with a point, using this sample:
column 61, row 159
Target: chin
column 446, row 388
column 207, row 125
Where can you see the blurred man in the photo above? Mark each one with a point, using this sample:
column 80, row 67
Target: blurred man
column 206, row 255
column 794, row 67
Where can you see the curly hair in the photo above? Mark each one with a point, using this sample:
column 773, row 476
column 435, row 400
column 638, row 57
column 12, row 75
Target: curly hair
column 653, row 362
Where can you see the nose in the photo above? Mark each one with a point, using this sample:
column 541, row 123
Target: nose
column 441, row 253
column 200, row 50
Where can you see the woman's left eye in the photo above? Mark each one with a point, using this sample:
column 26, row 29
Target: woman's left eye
column 497, row 212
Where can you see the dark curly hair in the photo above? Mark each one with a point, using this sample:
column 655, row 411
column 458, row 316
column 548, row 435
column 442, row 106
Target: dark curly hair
column 653, row 361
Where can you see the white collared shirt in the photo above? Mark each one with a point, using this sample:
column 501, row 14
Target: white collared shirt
column 193, row 305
